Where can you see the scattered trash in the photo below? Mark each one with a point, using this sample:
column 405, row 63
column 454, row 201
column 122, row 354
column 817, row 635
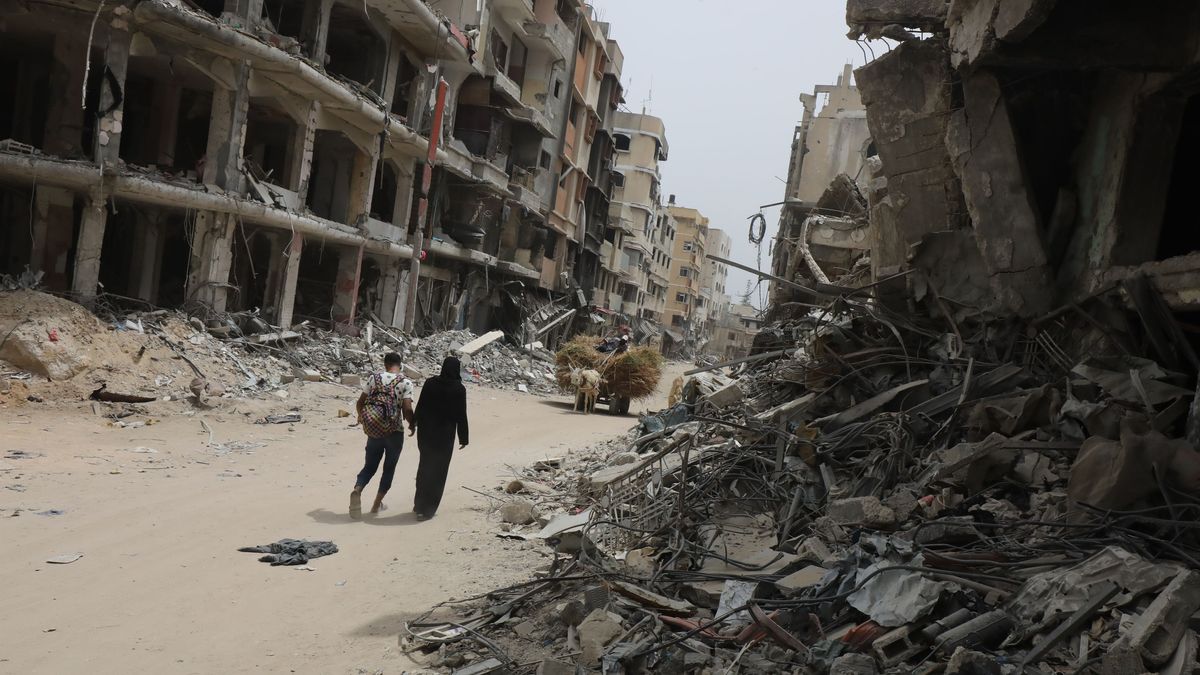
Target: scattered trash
column 102, row 394
column 287, row 418
column 64, row 559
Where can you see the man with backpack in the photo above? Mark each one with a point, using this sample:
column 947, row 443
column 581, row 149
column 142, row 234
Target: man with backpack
column 383, row 407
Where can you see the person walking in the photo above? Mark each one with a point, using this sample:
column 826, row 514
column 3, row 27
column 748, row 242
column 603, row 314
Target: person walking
column 441, row 411
column 383, row 406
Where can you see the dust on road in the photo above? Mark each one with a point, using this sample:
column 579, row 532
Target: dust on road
column 158, row 515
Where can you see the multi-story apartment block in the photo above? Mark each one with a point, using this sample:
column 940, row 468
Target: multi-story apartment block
column 645, row 232
column 696, row 294
column 303, row 157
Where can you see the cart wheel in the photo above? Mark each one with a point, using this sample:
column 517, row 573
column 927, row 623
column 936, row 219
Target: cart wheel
column 623, row 405
column 614, row 405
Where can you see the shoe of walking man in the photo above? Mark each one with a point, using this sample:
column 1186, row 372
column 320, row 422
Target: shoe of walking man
column 384, row 405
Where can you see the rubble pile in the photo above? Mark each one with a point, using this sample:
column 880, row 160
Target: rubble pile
column 874, row 492
column 498, row 364
column 60, row 348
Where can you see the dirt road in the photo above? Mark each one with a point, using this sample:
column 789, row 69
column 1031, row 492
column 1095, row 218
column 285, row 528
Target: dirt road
column 158, row 515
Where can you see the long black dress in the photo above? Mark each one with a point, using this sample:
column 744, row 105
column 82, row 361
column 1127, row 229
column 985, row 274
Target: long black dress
column 441, row 410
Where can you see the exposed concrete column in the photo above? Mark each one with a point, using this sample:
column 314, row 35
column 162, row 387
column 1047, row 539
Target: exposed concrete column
column 395, row 52
column 314, row 32
column 984, row 148
column 227, row 131
column 287, row 287
column 345, row 290
column 148, row 249
column 211, row 259
column 392, row 288
column 53, row 234
column 112, row 89
column 362, row 186
column 167, row 96
column 86, row 279
column 300, row 151
column 64, row 119
column 402, row 209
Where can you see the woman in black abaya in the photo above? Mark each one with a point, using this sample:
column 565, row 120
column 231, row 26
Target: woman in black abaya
column 441, row 411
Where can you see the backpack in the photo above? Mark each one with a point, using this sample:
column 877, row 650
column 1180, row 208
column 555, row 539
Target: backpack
column 381, row 415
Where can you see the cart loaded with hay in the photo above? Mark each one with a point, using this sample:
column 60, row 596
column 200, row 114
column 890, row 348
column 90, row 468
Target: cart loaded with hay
column 624, row 377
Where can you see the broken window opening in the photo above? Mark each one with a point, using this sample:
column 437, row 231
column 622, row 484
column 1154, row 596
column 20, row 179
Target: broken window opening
column 517, row 60
column 16, row 233
column 476, row 123
column 25, row 70
column 370, row 286
column 172, row 278
column 354, row 50
column 1179, row 234
column 332, row 167
column 286, row 17
column 621, row 141
column 252, row 269
column 408, row 80
column 383, row 198
column 315, row 285
column 213, row 8
column 120, row 259
column 270, row 135
column 499, row 51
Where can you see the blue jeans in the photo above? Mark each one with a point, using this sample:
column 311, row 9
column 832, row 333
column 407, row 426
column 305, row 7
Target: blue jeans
column 386, row 448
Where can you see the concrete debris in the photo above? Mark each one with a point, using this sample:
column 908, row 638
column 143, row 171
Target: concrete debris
column 965, row 435
column 597, row 631
column 55, row 340
column 518, row 512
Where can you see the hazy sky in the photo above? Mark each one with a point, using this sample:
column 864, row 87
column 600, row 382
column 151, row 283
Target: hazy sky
column 725, row 76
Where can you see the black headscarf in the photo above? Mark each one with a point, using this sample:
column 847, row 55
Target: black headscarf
column 442, row 408
column 451, row 369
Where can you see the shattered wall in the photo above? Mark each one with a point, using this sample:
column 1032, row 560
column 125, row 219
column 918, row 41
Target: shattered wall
column 1051, row 132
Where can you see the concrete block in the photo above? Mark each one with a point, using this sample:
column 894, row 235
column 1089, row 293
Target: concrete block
column 1157, row 631
column 597, row 631
column 813, row 550
column 475, row 346
column 967, row 662
column 519, row 512
column 864, row 511
column 853, row 664
column 310, row 375
column 551, row 667
column 352, row 380
column 726, row 396
column 801, row 579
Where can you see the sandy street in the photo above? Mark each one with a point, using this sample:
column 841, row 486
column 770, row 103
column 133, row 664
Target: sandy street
column 161, row 586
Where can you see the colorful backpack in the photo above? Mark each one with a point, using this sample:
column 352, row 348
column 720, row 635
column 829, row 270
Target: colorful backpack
column 381, row 415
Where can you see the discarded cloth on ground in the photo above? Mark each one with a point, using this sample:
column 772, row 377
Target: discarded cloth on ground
column 292, row 551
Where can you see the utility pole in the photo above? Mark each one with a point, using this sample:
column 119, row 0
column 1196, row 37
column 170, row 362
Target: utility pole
column 423, row 234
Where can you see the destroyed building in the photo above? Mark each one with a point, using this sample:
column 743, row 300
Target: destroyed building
column 966, row 439
column 296, row 156
column 822, row 227
column 1043, row 145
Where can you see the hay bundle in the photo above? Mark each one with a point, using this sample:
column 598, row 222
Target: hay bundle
column 634, row 374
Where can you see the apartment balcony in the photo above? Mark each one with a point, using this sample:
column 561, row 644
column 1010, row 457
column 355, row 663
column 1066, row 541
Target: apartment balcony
column 520, row 11
column 606, row 256
column 530, row 187
column 553, row 36
column 629, row 308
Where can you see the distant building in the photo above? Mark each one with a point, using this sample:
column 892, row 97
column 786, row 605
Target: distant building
column 733, row 336
column 644, row 230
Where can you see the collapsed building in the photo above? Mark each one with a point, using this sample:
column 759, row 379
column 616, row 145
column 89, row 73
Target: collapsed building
column 306, row 158
column 1042, row 145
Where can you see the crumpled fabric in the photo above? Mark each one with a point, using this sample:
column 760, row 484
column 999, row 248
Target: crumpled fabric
column 898, row 597
column 292, row 551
